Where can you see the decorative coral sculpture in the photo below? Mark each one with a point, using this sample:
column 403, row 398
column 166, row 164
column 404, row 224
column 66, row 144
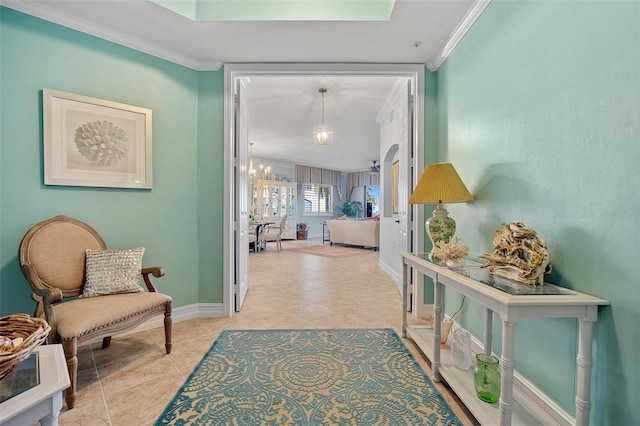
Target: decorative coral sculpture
column 519, row 254
column 450, row 251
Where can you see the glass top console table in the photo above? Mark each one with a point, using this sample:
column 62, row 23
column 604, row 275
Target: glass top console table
column 511, row 301
column 33, row 391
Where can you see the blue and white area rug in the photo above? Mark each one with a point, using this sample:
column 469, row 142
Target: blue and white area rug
column 308, row 377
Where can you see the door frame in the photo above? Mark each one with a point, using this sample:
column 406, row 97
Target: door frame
column 233, row 72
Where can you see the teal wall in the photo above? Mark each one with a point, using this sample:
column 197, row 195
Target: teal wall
column 539, row 111
column 431, row 154
column 210, row 189
column 175, row 220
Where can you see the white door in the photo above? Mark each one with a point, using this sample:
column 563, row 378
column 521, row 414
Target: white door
column 405, row 152
column 241, row 144
column 236, row 259
column 396, row 227
column 407, row 173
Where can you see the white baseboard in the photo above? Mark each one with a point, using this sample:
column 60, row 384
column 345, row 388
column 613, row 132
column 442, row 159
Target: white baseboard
column 389, row 271
column 423, row 310
column 210, row 310
column 392, row 274
column 179, row 314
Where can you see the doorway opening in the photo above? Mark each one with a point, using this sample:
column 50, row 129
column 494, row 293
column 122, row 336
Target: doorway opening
column 237, row 77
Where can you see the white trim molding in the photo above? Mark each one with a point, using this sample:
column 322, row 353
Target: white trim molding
column 182, row 313
column 423, row 310
column 392, row 274
column 462, row 28
column 233, row 72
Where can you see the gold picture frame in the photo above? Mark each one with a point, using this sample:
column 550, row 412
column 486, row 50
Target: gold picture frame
column 94, row 142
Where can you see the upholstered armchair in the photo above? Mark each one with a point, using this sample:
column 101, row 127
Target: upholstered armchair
column 64, row 258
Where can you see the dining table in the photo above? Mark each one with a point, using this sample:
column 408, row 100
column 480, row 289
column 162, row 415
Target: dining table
column 259, row 230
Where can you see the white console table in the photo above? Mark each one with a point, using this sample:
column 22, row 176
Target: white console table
column 44, row 400
column 511, row 301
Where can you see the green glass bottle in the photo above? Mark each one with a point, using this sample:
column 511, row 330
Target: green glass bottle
column 486, row 378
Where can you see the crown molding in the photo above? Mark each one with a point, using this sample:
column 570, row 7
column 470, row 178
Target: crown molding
column 458, row 34
column 209, row 66
column 39, row 10
column 398, row 90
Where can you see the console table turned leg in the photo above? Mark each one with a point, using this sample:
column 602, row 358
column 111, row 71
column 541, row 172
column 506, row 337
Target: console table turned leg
column 584, row 362
column 437, row 323
column 488, row 333
column 506, row 379
column 405, row 296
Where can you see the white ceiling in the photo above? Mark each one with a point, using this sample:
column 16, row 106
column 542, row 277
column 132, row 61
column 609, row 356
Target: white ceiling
column 283, row 111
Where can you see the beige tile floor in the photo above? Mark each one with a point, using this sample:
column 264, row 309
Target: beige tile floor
column 132, row 381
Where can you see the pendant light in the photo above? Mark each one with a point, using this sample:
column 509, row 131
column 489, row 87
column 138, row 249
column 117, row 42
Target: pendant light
column 323, row 133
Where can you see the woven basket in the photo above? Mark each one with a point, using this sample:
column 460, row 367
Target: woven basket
column 34, row 331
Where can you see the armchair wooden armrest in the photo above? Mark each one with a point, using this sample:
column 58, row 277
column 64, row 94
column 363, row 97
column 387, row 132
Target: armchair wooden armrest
column 156, row 271
column 45, row 297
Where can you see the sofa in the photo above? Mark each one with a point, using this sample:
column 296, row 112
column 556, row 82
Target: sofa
column 354, row 232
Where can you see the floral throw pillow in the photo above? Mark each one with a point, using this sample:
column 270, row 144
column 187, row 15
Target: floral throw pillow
column 113, row 272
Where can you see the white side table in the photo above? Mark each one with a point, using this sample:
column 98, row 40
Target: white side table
column 43, row 401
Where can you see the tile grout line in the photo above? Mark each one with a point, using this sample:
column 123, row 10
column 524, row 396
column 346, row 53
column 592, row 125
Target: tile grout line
column 104, row 397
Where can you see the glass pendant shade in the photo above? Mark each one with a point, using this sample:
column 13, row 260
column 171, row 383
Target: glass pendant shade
column 323, row 133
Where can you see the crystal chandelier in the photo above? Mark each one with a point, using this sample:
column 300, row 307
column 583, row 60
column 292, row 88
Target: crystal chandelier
column 252, row 171
column 323, row 133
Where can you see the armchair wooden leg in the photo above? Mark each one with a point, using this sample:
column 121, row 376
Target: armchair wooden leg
column 70, row 348
column 167, row 328
column 106, row 342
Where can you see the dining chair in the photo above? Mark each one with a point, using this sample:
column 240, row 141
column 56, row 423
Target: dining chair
column 255, row 231
column 272, row 233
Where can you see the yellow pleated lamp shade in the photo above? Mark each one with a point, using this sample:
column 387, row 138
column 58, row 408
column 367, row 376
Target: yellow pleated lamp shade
column 440, row 183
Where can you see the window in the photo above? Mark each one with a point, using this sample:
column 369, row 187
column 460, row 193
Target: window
column 318, row 199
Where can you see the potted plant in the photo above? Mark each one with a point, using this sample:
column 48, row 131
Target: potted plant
column 349, row 208
column 302, row 230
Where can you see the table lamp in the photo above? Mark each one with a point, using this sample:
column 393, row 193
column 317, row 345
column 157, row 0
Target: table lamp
column 440, row 183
